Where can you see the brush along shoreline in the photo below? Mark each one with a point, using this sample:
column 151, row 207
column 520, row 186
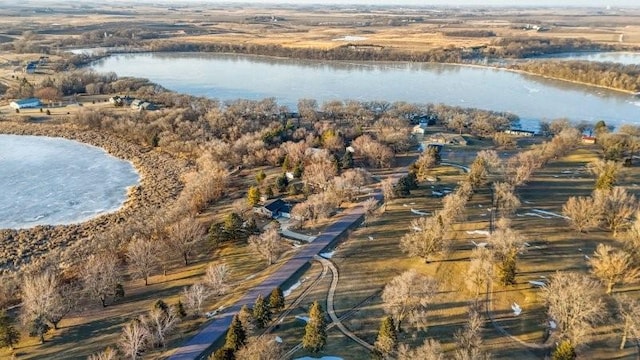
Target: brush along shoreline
column 160, row 184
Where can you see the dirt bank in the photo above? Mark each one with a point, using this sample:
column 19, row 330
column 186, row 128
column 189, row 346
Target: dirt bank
column 159, row 186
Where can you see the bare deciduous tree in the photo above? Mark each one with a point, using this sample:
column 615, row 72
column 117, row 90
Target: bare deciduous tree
column 631, row 239
column 185, row 236
column 320, row 171
column 574, row 303
column 506, row 201
column 506, row 244
column 44, row 295
column 369, row 206
column 616, row 207
column 427, row 160
column 374, row 153
column 101, row 275
column 469, row 339
column 453, row 205
column 268, row 245
column 429, row 350
column 407, row 296
column 159, row 323
column 194, row 296
column 107, row 354
column 613, row 267
column 142, row 255
column 628, row 312
column 387, row 191
column 480, row 271
column 134, row 338
column 581, row 213
column 216, row 278
column 427, row 237
column 261, row 348
column 606, row 173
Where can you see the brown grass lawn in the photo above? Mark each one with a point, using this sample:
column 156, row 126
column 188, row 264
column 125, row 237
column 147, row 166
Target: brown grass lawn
column 367, row 265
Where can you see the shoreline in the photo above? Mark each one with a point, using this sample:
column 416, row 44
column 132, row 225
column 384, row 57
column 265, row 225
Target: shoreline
column 472, row 65
column 159, row 186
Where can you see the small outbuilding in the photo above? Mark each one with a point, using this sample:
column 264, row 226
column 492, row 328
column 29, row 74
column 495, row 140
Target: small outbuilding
column 28, row 103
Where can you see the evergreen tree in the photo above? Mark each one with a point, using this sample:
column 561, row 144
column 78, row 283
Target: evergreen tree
column 276, row 300
column 224, row 354
column 232, row 225
column 38, row 327
column 564, row 351
column 269, row 192
column 162, row 306
column 347, row 160
column 261, row 312
column 387, row 340
column 253, row 196
column 315, row 336
column 9, row 336
column 281, row 183
column 236, row 335
column 286, row 164
column 507, row 270
column 179, row 308
column 297, row 171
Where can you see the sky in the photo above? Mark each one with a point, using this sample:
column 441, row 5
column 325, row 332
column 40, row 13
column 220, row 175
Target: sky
column 590, row 3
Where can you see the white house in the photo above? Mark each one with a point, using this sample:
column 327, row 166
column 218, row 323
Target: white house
column 26, row 103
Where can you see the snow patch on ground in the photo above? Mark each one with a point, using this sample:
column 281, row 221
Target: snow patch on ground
column 537, row 283
column 303, row 318
column 480, row 245
column 293, row 287
column 517, row 310
column 478, row 232
column 418, row 212
column 549, row 213
column 278, row 339
column 350, row 38
column 328, row 255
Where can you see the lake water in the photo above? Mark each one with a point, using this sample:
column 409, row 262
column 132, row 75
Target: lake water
column 54, row 181
column 228, row 77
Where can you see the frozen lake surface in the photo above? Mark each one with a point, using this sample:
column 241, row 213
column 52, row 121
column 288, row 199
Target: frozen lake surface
column 53, row 181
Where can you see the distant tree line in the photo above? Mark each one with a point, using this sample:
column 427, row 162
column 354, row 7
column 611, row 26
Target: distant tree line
column 611, row 75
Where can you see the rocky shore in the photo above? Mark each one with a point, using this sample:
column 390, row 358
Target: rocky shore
column 160, row 185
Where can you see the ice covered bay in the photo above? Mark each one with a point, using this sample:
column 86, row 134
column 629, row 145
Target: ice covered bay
column 53, row 181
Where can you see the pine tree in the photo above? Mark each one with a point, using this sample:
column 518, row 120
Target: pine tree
column 9, row 336
column 564, row 351
column 224, row 354
column 276, row 300
column 347, row 160
column 38, row 327
column 261, row 312
column 507, row 270
column 387, row 339
column 253, row 196
column 315, row 336
column 236, row 335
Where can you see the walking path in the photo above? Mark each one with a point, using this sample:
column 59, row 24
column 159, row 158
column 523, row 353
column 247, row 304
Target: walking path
column 331, row 308
column 197, row 347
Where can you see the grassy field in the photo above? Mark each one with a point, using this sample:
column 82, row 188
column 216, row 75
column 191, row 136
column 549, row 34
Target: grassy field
column 371, row 257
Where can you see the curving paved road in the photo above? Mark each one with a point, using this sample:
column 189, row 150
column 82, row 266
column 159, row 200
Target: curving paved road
column 198, row 347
